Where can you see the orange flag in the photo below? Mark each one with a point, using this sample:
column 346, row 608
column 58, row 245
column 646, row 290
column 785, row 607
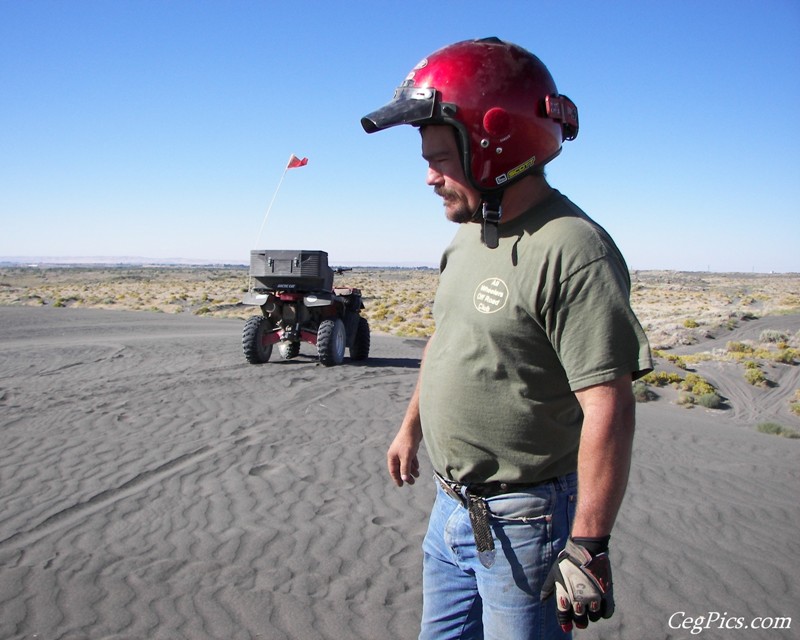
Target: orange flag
column 295, row 162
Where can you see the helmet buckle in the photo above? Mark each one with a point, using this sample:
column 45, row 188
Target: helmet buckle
column 492, row 212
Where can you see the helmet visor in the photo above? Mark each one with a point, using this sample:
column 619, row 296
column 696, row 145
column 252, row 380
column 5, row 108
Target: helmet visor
column 410, row 105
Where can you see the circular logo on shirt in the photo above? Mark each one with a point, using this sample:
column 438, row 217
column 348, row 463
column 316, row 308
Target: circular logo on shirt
column 490, row 296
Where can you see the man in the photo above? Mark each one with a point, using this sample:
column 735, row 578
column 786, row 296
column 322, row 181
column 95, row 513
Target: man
column 524, row 396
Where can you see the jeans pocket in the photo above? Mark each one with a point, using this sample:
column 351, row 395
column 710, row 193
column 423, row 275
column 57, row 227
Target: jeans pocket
column 530, row 506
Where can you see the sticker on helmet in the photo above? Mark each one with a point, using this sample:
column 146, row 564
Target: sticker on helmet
column 513, row 173
column 490, row 296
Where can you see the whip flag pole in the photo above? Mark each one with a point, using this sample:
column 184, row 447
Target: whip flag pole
column 294, row 163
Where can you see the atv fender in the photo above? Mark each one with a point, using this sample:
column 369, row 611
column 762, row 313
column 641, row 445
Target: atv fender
column 255, row 299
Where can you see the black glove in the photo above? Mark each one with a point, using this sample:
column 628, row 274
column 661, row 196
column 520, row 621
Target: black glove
column 581, row 580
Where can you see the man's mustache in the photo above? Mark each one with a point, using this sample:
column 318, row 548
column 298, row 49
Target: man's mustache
column 443, row 192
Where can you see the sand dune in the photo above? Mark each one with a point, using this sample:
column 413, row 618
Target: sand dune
column 155, row 486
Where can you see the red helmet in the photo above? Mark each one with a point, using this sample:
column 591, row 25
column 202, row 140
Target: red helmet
column 500, row 98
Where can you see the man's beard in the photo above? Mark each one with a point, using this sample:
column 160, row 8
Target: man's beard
column 458, row 209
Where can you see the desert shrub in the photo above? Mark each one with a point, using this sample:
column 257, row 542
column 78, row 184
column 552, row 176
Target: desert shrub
column 710, row 401
column 413, row 332
column 697, row 385
column 771, row 335
column 202, row 311
column 661, row 378
column 775, row 429
column 763, row 354
column 694, row 358
column 794, row 405
column 738, row 347
column 785, row 356
column 690, row 323
column 751, row 364
column 642, row 392
column 755, row 377
column 379, row 313
column 686, row 399
column 694, row 389
column 678, row 361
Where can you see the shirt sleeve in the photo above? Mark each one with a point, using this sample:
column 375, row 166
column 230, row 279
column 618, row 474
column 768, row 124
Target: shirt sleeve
column 593, row 328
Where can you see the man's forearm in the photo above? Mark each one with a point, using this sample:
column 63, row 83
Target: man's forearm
column 604, row 457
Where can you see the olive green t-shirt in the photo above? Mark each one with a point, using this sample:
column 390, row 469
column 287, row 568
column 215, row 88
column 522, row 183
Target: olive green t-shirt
column 519, row 329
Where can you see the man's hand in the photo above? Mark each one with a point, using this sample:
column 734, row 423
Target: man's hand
column 402, row 455
column 582, row 583
column 402, row 459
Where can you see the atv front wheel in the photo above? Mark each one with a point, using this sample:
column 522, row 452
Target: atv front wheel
column 256, row 349
column 288, row 349
column 331, row 341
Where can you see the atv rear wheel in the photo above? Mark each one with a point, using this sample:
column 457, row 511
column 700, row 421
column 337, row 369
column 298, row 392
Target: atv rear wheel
column 256, row 350
column 331, row 341
column 360, row 348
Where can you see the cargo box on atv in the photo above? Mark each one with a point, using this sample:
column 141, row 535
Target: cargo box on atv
column 290, row 270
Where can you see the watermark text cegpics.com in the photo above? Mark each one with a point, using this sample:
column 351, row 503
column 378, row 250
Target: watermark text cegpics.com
column 715, row 620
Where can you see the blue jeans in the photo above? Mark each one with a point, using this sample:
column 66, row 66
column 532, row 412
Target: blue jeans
column 462, row 599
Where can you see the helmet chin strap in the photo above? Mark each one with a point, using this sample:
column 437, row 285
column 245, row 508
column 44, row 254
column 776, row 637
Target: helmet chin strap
column 491, row 213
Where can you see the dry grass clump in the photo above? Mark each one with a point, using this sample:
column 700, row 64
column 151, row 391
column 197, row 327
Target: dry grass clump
column 775, row 429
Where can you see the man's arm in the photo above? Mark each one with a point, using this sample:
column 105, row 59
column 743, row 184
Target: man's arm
column 581, row 576
column 604, row 457
column 402, row 455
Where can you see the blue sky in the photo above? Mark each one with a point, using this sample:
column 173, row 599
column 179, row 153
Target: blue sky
column 161, row 129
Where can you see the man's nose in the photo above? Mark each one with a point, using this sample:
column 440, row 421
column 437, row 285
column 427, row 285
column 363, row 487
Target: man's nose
column 434, row 177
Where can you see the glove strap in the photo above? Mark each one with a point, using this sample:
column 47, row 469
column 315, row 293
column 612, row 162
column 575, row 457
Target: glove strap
column 594, row 546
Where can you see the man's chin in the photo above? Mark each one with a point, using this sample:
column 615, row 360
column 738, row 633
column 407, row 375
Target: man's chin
column 454, row 212
column 459, row 216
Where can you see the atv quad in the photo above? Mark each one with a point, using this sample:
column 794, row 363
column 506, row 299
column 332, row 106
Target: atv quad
column 300, row 304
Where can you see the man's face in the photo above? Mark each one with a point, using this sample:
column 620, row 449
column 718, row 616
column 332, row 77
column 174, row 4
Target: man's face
column 446, row 175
